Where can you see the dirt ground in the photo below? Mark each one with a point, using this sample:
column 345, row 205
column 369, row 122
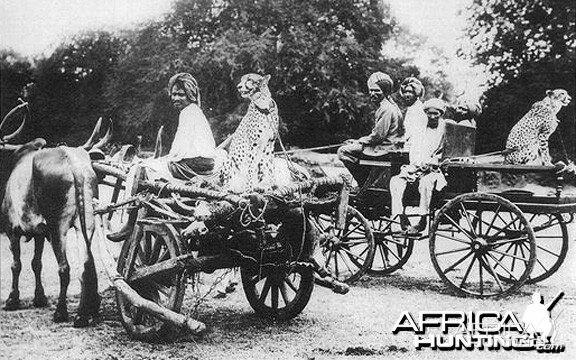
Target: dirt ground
column 332, row 326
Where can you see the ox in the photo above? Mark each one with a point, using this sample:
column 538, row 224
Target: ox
column 43, row 193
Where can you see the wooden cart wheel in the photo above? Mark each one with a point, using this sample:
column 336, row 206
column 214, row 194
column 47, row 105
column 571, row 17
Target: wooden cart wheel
column 551, row 245
column 471, row 251
column 392, row 250
column 278, row 292
column 149, row 244
column 347, row 253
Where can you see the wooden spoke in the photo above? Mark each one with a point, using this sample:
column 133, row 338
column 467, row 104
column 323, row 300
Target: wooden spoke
column 265, row 289
column 500, row 238
column 151, row 244
column 452, row 251
column 453, row 266
column 452, row 238
column 523, row 259
column 275, row 296
column 465, row 213
column 352, row 255
column 290, row 284
column 493, row 272
column 502, row 266
column 467, row 271
column 458, row 227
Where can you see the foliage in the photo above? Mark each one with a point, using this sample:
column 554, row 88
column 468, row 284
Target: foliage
column 15, row 74
column 529, row 47
column 509, row 35
column 318, row 52
column 70, row 86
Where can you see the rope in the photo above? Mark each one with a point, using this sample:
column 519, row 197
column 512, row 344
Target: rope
column 308, row 149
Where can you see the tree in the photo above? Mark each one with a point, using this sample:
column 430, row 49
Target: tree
column 15, row 74
column 319, row 54
column 70, row 86
column 529, row 47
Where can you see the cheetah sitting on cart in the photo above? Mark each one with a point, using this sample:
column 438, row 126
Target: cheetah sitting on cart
column 528, row 139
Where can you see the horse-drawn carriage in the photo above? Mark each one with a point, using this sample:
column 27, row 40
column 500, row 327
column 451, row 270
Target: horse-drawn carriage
column 482, row 243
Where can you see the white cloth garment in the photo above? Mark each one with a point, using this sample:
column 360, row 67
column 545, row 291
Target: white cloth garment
column 193, row 137
column 415, row 122
column 427, row 148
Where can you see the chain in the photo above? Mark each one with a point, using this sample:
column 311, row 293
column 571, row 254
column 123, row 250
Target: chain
column 202, row 298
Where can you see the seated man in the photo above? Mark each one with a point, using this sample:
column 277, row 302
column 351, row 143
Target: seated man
column 193, row 149
column 415, row 120
column 466, row 112
column 385, row 135
column 424, row 159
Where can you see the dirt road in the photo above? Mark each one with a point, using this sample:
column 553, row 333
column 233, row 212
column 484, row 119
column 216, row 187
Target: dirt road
column 358, row 324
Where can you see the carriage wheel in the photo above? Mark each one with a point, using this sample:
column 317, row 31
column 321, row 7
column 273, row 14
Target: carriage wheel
column 150, row 244
column 551, row 245
column 278, row 292
column 472, row 253
column 392, row 250
column 347, row 253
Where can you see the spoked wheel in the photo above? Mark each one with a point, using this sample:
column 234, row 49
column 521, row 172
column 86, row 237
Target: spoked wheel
column 278, row 292
column 346, row 253
column 551, row 245
column 392, row 250
column 472, row 243
column 150, row 243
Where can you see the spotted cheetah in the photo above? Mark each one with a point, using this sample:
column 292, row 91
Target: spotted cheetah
column 250, row 157
column 528, row 139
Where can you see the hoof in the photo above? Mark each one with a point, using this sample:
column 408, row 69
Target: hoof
column 40, row 301
column 81, row 321
column 60, row 316
column 12, row 304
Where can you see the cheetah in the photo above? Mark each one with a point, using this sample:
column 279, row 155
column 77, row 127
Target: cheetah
column 528, row 139
column 251, row 149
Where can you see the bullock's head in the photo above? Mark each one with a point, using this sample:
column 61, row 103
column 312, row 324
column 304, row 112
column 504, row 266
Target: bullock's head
column 95, row 144
column 11, row 152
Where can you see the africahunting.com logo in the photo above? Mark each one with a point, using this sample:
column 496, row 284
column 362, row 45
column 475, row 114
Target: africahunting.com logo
column 486, row 330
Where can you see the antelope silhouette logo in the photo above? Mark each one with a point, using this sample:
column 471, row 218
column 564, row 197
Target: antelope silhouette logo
column 537, row 317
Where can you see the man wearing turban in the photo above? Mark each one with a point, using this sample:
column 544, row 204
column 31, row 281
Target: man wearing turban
column 385, row 135
column 425, row 155
column 466, row 112
column 193, row 149
column 415, row 120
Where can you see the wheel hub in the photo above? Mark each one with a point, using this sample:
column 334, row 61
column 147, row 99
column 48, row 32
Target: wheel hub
column 479, row 245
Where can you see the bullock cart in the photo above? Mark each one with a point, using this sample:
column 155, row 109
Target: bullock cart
column 481, row 243
column 182, row 230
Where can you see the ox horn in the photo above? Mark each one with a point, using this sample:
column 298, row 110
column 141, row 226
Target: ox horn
column 158, row 146
column 106, row 137
column 95, row 133
column 10, row 113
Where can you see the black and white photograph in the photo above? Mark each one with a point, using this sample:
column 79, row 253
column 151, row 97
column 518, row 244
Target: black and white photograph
column 287, row 179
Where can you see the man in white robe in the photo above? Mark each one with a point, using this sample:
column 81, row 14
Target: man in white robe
column 192, row 152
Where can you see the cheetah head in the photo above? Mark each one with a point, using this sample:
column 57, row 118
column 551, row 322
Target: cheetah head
column 253, row 86
column 558, row 97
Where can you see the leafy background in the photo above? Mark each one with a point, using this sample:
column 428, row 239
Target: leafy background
column 319, row 53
